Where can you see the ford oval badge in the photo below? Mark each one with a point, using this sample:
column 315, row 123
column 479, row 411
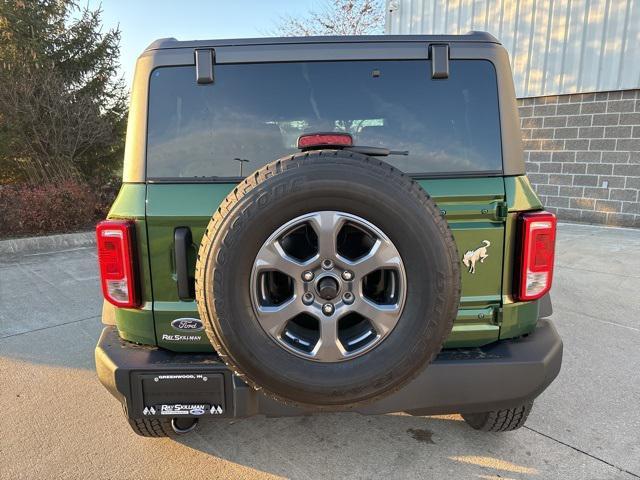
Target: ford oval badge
column 187, row 325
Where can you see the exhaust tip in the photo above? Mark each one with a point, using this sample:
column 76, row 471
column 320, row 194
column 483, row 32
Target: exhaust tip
column 183, row 425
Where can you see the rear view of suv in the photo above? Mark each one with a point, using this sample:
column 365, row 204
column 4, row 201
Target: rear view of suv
column 325, row 224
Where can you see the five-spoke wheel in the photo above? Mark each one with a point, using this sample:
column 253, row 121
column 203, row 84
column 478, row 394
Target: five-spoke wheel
column 328, row 286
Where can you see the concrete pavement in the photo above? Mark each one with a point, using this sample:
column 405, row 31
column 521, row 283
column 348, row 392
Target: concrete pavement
column 58, row 422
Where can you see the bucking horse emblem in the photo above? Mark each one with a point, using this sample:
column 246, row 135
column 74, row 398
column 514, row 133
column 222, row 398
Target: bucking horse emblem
column 472, row 256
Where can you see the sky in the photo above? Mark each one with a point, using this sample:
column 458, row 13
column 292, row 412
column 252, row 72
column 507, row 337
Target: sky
column 143, row 21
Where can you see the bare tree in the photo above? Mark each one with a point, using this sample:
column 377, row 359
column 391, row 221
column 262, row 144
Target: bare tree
column 336, row 17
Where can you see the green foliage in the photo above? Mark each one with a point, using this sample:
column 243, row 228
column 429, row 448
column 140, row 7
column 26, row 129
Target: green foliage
column 62, row 103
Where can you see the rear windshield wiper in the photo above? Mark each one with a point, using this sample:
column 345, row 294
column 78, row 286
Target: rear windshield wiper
column 376, row 151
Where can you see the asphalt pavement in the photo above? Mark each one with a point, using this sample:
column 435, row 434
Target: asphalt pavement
column 57, row 421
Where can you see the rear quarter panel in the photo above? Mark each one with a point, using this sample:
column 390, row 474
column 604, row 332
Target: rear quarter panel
column 136, row 325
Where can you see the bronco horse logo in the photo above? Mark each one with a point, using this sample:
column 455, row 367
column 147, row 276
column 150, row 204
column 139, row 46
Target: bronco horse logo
column 472, row 256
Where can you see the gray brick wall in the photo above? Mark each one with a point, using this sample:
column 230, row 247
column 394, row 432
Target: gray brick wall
column 582, row 154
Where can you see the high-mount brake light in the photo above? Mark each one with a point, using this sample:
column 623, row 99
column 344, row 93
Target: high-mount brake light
column 312, row 140
column 115, row 242
column 537, row 237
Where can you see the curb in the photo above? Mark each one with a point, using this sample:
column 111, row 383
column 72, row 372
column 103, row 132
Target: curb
column 48, row 243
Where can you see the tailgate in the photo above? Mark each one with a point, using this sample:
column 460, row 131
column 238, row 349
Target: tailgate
column 474, row 207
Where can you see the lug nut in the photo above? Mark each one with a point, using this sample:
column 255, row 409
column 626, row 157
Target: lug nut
column 307, row 276
column 307, row 298
column 347, row 275
column 348, row 297
column 327, row 264
column 327, row 309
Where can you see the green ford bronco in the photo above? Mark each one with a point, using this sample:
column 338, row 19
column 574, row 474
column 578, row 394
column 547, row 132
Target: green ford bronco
column 325, row 224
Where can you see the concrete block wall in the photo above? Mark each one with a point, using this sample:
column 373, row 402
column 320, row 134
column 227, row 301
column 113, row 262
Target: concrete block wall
column 582, row 155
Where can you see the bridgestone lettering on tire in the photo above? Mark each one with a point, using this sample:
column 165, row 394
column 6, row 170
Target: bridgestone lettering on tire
column 379, row 283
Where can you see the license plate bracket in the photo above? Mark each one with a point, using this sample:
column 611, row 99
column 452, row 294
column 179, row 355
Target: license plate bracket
column 180, row 394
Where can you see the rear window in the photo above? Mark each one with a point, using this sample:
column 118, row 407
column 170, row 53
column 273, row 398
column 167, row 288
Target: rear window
column 254, row 113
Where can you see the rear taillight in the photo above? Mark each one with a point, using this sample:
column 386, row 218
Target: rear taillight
column 537, row 237
column 116, row 241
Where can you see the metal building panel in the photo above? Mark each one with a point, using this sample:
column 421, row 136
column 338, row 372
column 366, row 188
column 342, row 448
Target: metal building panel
column 555, row 46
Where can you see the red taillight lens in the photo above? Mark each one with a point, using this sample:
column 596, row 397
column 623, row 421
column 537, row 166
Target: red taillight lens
column 115, row 242
column 537, row 233
column 325, row 140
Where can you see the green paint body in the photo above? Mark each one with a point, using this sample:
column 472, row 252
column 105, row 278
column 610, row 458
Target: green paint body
column 477, row 209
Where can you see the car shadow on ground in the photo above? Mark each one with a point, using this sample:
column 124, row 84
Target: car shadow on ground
column 353, row 445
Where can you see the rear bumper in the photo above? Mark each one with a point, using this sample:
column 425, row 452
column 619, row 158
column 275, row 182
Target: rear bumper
column 501, row 375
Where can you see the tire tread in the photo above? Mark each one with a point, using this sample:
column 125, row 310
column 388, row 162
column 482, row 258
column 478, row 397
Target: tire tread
column 151, row 427
column 503, row 420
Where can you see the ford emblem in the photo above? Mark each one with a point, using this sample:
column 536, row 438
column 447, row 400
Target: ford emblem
column 187, row 325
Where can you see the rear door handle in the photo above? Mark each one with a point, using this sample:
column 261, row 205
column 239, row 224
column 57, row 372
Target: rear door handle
column 182, row 243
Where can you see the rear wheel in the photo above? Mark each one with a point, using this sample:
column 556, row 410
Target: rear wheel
column 162, row 427
column 499, row 420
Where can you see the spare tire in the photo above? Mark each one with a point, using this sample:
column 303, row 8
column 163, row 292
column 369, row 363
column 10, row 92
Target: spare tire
column 327, row 279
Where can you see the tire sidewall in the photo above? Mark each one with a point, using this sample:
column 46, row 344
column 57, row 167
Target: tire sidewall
column 406, row 215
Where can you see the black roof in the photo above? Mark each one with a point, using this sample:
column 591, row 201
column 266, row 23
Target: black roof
column 167, row 43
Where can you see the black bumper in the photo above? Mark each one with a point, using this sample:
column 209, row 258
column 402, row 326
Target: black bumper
column 501, row 375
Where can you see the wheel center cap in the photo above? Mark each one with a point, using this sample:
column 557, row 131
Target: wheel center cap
column 328, row 288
